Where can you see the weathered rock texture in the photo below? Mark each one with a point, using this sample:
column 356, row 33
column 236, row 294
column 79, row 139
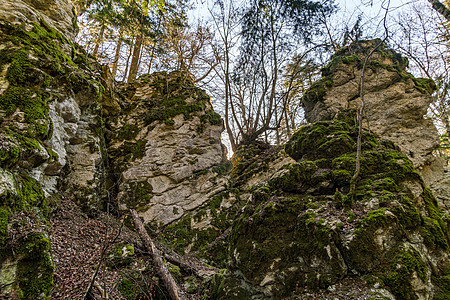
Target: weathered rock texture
column 51, row 137
column 59, row 14
column 163, row 145
column 395, row 101
column 297, row 229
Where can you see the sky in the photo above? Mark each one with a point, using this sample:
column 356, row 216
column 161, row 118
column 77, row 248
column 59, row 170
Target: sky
column 371, row 9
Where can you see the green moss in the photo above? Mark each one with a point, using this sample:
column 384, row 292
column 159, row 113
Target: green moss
column 169, row 98
column 316, row 92
column 31, row 191
column 433, row 234
column 35, row 268
column 348, row 201
column 442, row 284
column 120, row 255
column 179, row 234
column 174, row 270
column 128, row 132
column 297, row 177
column 223, row 168
column 323, row 140
column 212, row 117
column 34, row 105
column 138, row 149
column 214, row 204
column 341, row 177
column 19, row 66
column 424, row 85
column 127, row 288
column 169, row 122
column 141, row 192
column 9, row 155
column 399, row 276
column 338, row 200
column 5, row 214
column 171, row 110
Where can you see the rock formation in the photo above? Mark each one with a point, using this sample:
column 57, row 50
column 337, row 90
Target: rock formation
column 298, row 230
column 163, row 146
column 395, row 101
column 51, row 135
column 279, row 221
column 396, row 104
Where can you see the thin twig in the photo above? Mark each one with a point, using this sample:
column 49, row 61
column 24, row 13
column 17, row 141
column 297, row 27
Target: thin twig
column 361, row 110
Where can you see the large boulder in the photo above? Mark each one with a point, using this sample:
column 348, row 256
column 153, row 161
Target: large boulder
column 395, row 101
column 163, row 145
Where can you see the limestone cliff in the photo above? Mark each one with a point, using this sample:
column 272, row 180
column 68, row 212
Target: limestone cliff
column 278, row 221
column 396, row 104
column 50, row 132
column 163, row 146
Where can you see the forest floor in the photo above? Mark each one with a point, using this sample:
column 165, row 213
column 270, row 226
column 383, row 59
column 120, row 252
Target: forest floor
column 78, row 242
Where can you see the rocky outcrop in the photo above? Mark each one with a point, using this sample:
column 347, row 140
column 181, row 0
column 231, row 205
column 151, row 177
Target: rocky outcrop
column 395, row 101
column 59, row 14
column 164, row 145
column 396, row 105
column 51, row 137
column 298, row 230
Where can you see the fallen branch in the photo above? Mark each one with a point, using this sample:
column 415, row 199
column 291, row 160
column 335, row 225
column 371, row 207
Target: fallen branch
column 202, row 271
column 165, row 275
column 101, row 290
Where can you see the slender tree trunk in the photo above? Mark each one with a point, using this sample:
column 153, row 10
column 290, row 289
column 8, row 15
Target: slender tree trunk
column 441, row 8
column 99, row 41
column 152, row 53
column 228, row 99
column 128, row 63
column 286, row 118
column 117, row 55
column 163, row 273
column 135, row 58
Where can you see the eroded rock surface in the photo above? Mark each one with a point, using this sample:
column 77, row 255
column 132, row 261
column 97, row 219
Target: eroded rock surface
column 58, row 14
column 163, row 145
column 395, row 101
column 50, row 136
column 396, row 105
column 298, row 229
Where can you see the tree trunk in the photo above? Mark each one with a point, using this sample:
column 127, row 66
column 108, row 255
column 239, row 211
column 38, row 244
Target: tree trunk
column 135, row 58
column 440, row 8
column 99, row 41
column 165, row 275
column 117, row 55
column 128, row 63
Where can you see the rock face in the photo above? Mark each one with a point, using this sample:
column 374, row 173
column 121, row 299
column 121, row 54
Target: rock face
column 162, row 145
column 51, row 136
column 297, row 229
column 395, row 101
column 58, row 14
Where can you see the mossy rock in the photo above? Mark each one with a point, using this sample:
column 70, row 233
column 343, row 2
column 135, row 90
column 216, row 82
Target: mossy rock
column 120, row 255
column 291, row 232
column 35, row 267
column 286, row 241
column 322, row 140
